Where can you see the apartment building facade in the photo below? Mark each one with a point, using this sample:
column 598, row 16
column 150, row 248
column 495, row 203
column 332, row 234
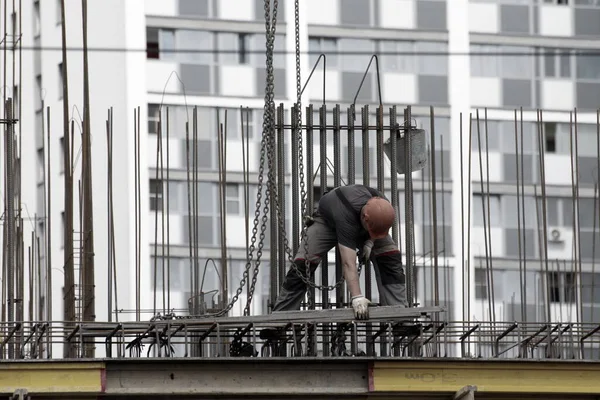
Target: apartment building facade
column 178, row 55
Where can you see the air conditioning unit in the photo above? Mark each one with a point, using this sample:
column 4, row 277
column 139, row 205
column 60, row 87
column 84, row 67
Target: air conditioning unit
column 556, row 235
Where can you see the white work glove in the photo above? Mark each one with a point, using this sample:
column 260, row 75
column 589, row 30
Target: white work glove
column 366, row 251
column 361, row 307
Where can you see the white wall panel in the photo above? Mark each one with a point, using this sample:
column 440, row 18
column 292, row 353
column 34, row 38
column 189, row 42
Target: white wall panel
column 237, row 80
column 323, row 12
column 555, row 20
column 399, row 88
column 397, row 14
column 495, row 159
column 236, row 237
column 236, row 9
column 558, row 169
column 161, row 7
column 332, row 86
column 483, row 17
column 158, row 74
column 478, row 241
column 558, row 94
column 486, row 92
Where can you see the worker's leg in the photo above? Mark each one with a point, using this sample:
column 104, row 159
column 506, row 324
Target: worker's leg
column 391, row 281
column 319, row 239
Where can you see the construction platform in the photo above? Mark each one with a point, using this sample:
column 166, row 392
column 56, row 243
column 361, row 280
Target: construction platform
column 314, row 378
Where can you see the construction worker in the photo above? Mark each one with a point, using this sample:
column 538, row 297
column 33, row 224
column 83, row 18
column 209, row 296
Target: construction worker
column 351, row 217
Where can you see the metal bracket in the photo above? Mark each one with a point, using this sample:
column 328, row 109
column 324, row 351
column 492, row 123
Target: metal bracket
column 466, row 393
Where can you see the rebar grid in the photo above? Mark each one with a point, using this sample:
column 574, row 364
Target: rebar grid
column 220, row 338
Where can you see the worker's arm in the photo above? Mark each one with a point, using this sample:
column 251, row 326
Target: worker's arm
column 359, row 302
column 350, row 270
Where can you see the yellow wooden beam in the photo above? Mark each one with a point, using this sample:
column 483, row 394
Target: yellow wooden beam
column 494, row 376
column 52, row 377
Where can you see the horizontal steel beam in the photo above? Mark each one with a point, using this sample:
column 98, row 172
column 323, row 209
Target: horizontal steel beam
column 238, row 377
column 381, row 313
column 348, row 377
column 488, row 376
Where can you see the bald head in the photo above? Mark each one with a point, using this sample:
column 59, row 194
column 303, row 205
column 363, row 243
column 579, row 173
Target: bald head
column 377, row 217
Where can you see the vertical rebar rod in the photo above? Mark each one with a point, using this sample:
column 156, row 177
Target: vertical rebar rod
column 351, row 146
column 164, row 272
column 578, row 266
column 157, row 202
column 462, row 219
column 367, row 182
column 89, row 312
column 408, row 195
column 10, row 221
column 541, row 149
column 136, row 206
column 139, row 212
column 366, row 177
column 393, row 170
column 273, row 249
column 323, row 184
column 112, row 221
column 523, row 224
column 379, row 150
column 296, row 132
column 594, row 250
column 281, row 174
column 433, row 178
column 168, row 207
column 483, row 207
column 224, row 263
column 108, row 219
column 489, row 217
column 596, row 208
column 337, row 182
column 310, row 187
column 195, row 203
column 520, row 250
column 469, row 172
column 192, row 301
column 69, row 273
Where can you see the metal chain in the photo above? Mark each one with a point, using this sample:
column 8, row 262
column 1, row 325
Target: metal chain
column 268, row 128
column 266, row 143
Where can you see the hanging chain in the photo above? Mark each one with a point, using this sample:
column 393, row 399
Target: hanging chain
column 266, row 143
column 268, row 131
column 298, row 128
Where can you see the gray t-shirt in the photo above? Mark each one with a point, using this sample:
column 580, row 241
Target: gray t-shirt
column 345, row 221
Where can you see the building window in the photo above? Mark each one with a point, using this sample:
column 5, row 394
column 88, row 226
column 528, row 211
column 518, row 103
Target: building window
column 38, row 99
column 232, row 198
column 58, row 12
column 561, row 287
column 37, row 25
column 61, row 166
column 243, row 47
column 62, row 227
column 152, row 43
column 327, row 46
column 40, row 155
column 156, row 195
column 153, row 119
column 492, row 216
column 60, row 81
column 559, row 2
column 550, row 137
column 480, row 284
column 557, row 63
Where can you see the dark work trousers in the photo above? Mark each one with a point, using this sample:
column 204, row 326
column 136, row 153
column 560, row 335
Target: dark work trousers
column 321, row 238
